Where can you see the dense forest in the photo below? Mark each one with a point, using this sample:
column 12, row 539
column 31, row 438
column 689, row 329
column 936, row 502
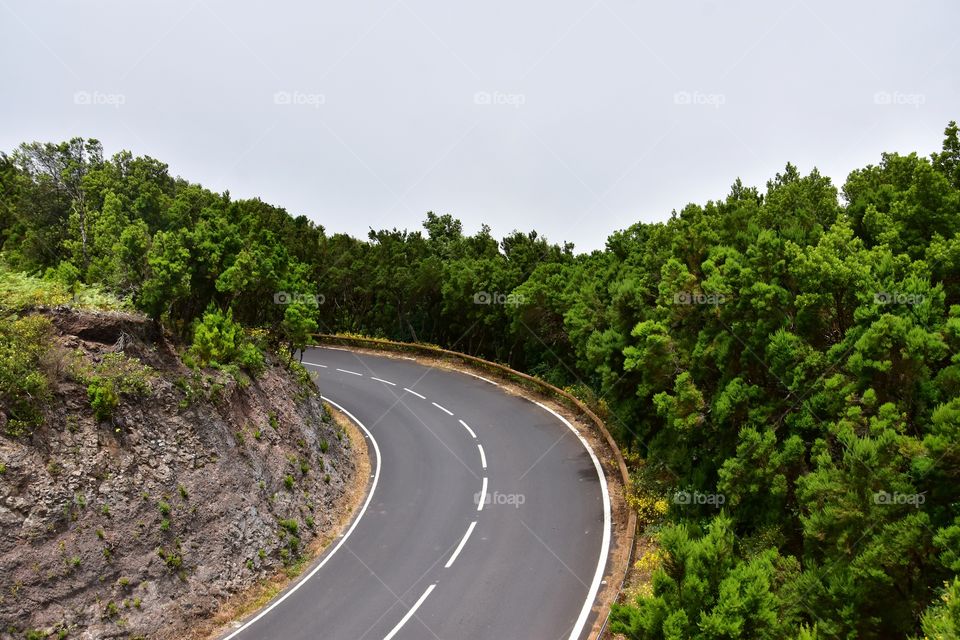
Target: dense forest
column 782, row 366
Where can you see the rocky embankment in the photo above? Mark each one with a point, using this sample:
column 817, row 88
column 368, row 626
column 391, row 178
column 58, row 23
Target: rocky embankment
column 139, row 518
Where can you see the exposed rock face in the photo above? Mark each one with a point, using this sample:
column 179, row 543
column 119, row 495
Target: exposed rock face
column 137, row 525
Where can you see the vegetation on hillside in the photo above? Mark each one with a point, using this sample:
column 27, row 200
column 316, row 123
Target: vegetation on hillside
column 786, row 362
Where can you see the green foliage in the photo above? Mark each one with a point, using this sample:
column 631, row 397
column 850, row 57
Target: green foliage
column 704, row 591
column 297, row 326
column 174, row 561
column 290, row 526
column 24, row 382
column 103, row 399
column 115, row 375
column 219, row 340
column 60, row 287
column 941, row 621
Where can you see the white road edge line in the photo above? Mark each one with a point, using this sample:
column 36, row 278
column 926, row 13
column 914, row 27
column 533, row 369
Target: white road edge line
column 483, row 495
column 483, row 457
column 605, row 544
column 410, row 613
column 353, row 373
column 478, row 377
column 356, row 521
column 460, row 546
column 392, row 384
column 314, row 364
column 415, row 393
column 444, row 409
column 467, row 427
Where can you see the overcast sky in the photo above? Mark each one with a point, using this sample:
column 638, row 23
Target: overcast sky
column 571, row 118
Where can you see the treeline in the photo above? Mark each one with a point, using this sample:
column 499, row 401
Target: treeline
column 783, row 365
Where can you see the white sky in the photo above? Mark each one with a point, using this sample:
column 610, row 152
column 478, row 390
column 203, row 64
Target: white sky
column 571, row 118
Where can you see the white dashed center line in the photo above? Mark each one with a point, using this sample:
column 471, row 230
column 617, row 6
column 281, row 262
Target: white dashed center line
column 353, row 373
column 467, row 427
column 415, row 393
column 460, row 546
column 483, row 495
column 392, row 384
column 483, row 457
column 410, row 613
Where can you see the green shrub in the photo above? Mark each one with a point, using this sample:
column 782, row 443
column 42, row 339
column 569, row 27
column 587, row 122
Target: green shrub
column 288, row 482
column 302, row 375
column 290, row 526
column 103, row 399
column 111, row 610
column 218, row 341
column 172, row 560
column 24, row 387
column 59, row 286
column 114, row 375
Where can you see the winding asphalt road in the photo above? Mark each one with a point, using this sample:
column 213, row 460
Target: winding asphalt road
column 487, row 517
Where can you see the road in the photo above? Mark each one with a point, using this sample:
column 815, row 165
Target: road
column 488, row 516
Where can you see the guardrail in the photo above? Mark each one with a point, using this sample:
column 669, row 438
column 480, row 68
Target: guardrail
column 565, row 398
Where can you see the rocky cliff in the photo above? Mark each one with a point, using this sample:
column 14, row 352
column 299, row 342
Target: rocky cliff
column 151, row 493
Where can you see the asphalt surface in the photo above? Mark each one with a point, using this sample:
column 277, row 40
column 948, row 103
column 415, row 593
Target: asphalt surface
column 423, row 559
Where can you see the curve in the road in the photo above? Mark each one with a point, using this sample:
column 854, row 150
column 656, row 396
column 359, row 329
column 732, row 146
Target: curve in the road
column 424, row 558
